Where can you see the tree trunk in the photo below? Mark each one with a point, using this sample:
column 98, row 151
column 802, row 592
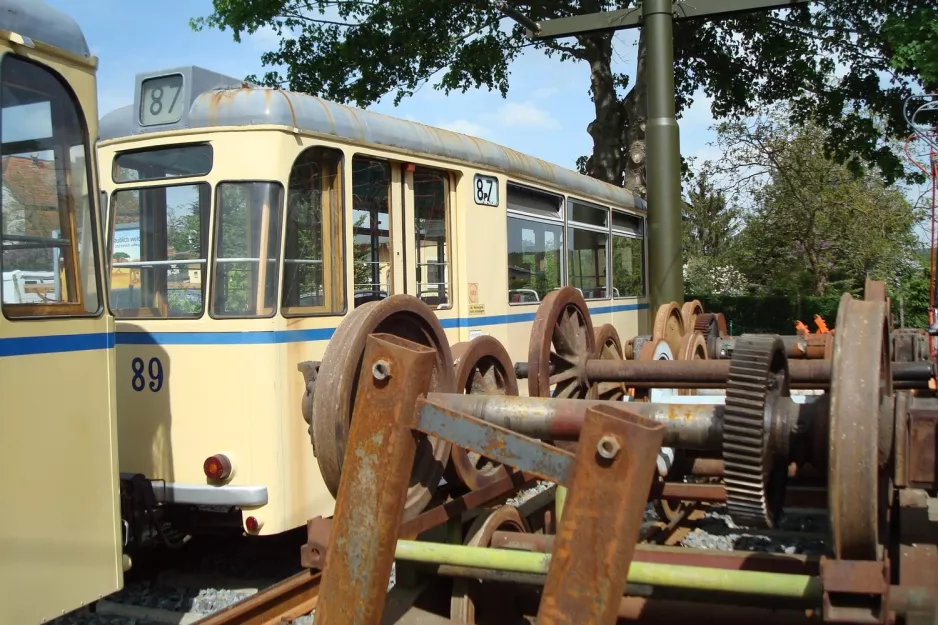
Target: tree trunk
column 606, row 160
column 635, row 112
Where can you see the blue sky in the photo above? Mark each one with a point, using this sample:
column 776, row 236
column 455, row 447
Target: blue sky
column 545, row 114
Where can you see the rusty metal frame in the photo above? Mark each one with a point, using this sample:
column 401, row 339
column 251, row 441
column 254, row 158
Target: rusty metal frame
column 375, row 477
column 855, row 591
column 922, row 465
column 616, row 459
column 595, row 541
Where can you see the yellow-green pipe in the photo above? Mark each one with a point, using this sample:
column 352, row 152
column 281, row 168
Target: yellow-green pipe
column 674, row 576
column 560, row 498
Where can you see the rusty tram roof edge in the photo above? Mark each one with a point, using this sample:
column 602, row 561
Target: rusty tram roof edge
column 251, row 106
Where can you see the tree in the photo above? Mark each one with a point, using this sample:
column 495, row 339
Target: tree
column 814, row 228
column 710, row 223
column 356, row 51
column 710, row 227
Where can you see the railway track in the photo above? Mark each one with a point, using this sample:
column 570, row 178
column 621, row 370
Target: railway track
column 235, row 581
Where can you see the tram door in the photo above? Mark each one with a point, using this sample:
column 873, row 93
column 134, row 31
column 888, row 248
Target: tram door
column 377, row 247
column 427, row 233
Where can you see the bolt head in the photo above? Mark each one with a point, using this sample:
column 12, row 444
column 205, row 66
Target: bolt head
column 608, row 447
column 381, row 370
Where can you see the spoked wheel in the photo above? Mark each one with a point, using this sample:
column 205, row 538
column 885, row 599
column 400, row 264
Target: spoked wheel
column 403, row 316
column 561, row 339
column 483, row 367
column 860, row 393
column 608, row 347
column 468, row 595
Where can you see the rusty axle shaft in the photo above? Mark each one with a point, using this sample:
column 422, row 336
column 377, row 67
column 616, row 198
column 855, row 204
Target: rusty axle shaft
column 805, row 374
column 687, row 426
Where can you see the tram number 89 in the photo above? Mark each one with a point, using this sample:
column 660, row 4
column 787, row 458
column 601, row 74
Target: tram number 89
column 153, row 370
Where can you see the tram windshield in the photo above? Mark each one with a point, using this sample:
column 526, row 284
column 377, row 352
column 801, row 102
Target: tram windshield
column 48, row 247
column 159, row 238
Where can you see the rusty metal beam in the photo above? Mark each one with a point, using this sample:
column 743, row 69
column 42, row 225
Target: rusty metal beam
column 595, row 541
column 375, row 476
column 495, row 442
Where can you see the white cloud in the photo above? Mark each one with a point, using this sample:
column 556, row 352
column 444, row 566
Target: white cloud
column 464, row 126
column 520, row 115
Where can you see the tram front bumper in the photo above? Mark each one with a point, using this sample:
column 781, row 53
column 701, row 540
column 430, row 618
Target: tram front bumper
column 205, row 494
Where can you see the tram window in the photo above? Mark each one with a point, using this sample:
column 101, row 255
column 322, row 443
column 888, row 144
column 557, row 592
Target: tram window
column 47, row 225
column 371, row 204
column 431, row 227
column 589, row 215
column 534, row 202
column 628, row 266
column 534, row 259
column 628, row 256
column 586, row 262
column 627, row 224
column 177, row 161
column 247, row 249
column 158, row 240
column 314, row 208
column 587, row 257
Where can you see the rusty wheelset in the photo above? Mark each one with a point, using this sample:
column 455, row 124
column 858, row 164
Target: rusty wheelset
column 405, row 410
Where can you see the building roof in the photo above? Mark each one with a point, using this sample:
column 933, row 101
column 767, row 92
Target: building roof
column 249, row 105
column 40, row 22
column 31, row 180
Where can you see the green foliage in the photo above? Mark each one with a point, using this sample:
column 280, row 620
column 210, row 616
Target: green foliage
column 911, row 33
column 770, row 314
column 710, row 224
column 359, row 50
column 814, row 228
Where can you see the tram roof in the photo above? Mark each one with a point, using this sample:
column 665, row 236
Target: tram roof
column 40, row 22
column 216, row 100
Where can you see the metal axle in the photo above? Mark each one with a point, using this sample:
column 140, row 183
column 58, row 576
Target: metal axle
column 805, row 374
column 687, row 426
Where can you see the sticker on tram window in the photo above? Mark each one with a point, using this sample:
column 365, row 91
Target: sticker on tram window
column 486, row 190
column 148, row 374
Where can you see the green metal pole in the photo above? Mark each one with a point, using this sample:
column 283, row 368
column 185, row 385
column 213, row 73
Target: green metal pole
column 663, row 165
column 674, row 576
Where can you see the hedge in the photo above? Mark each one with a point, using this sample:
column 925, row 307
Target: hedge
column 770, row 314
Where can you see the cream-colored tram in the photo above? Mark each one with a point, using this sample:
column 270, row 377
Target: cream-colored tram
column 60, row 531
column 245, row 223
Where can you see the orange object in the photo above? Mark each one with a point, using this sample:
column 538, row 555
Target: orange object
column 821, row 326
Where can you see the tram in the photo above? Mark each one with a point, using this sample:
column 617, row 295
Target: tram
column 243, row 223
column 61, row 530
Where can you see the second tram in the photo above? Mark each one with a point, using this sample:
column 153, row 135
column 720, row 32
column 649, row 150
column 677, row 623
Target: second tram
column 244, row 223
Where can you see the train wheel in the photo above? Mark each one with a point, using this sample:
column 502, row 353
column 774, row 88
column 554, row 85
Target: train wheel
column 483, row 367
column 403, row 316
column 669, row 326
column 689, row 312
column 608, row 347
column 467, row 594
column 693, row 347
column 861, row 389
column 562, row 337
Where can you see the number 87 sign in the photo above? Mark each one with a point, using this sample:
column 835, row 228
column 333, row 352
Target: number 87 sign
column 485, row 190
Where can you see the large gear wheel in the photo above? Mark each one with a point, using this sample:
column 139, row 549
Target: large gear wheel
column 754, row 457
